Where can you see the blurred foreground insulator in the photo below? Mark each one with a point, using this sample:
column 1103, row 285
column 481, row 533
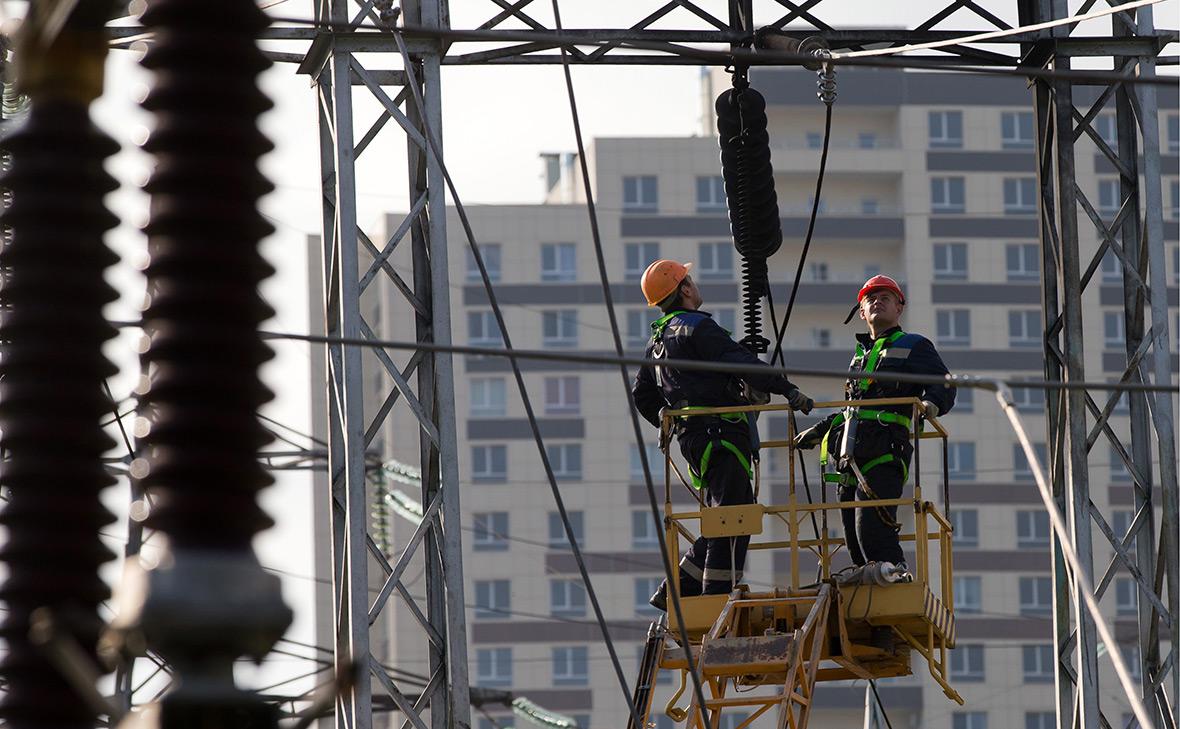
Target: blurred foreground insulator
column 209, row 602
column 52, row 401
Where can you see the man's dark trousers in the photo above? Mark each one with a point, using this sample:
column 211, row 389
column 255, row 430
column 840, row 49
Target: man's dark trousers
column 869, row 539
column 717, row 562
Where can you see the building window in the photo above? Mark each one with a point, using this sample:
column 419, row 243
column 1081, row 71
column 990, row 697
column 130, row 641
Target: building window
column 645, row 587
column 866, row 140
column 637, row 257
column 559, row 328
column 482, row 330
column 557, row 535
column 1108, row 198
column 1118, row 468
column 1017, row 130
column 559, row 262
column 960, row 459
column 946, row 129
column 488, row 397
column 947, row 195
column 644, row 531
column 968, row 594
column 710, row 193
column 493, row 666
column 965, row 400
column 570, row 666
column 489, row 531
column 638, row 328
column 715, row 261
column 1024, row 328
column 1037, row 661
column 496, row 722
column 822, row 338
column 655, row 461
column 1113, row 336
column 953, row 327
column 966, row 525
column 1029, row 399
column 726, row 318
column 1040, row 720
column 1173, row 133
column 1126, row 596
column 950, row 261
column 563, row 395
column 1023, row 261
column 1175, row 208
column 1112, row 267
column 640, row 194
column 1032, row 529
column 1108, row 129
column 1121, row 521
column 567, row 598
column 733, row 719
column 1036, row 595
column 815, row 140
column 566, row 460
column 1021, row 468
column 663, row 678
column 489, row 462
column 870, row 206
column 967, row 663
column 492, row 598
column 1020, row 195
column 490, row 252
column 969, row 720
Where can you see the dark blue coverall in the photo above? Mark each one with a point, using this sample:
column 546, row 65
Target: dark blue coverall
column 882, row 448
column 708, row 566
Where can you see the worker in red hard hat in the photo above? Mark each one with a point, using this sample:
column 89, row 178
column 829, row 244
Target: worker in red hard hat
column 882, row 447
column 719, row 448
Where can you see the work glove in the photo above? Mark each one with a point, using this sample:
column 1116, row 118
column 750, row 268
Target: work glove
column 665, row 435
column 798, row 401
column 812, row 437
column 931, row 409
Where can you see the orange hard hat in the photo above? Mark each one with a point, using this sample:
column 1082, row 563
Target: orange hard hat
column 661, row 278
column 880, row 282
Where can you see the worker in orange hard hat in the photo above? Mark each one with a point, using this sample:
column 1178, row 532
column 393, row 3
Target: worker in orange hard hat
column 881, row 442
column 719, row 448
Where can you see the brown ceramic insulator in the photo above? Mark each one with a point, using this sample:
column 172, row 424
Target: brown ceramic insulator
column 52, row 401
column 202, row 437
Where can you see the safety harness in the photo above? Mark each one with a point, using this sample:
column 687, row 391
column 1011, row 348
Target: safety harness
column 697, row 474
column 867, row 414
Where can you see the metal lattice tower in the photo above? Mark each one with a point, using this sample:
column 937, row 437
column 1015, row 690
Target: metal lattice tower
column 1077, row 421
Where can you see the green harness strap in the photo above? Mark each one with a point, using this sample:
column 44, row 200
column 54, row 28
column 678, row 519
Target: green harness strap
column 658, row 326
column 875, row 355
column 698, row 481
column 880, row 416
column 849, row 479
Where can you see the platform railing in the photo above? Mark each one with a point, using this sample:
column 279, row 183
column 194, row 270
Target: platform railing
column 930, row 523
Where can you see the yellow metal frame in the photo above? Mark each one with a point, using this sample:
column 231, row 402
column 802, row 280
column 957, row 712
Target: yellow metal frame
column 922, row 619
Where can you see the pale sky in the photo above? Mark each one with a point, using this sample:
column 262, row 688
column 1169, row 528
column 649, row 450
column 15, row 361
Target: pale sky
column 497, row 120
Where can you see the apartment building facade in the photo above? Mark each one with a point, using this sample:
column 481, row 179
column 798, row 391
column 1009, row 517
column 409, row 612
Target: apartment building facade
column 931, row 179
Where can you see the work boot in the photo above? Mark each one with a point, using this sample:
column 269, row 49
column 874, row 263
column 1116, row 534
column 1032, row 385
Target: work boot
column 689, row 587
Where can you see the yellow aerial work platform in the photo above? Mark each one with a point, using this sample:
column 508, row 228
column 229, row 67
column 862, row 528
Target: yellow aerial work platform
column 763, row 651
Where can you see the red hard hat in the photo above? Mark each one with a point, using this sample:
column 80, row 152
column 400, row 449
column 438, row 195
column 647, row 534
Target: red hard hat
column 880, row 282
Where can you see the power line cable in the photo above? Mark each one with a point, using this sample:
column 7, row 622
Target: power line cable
column 608, row 299
column 512, row 354
column 432, row 148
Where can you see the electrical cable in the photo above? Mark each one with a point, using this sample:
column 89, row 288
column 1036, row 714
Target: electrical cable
column 608, row 299
column 1003, row 33
column 965, row 381
column 880, row 704
column 432, row 148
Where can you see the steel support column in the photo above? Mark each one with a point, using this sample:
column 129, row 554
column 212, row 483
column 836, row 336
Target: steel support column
column 351, row 263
